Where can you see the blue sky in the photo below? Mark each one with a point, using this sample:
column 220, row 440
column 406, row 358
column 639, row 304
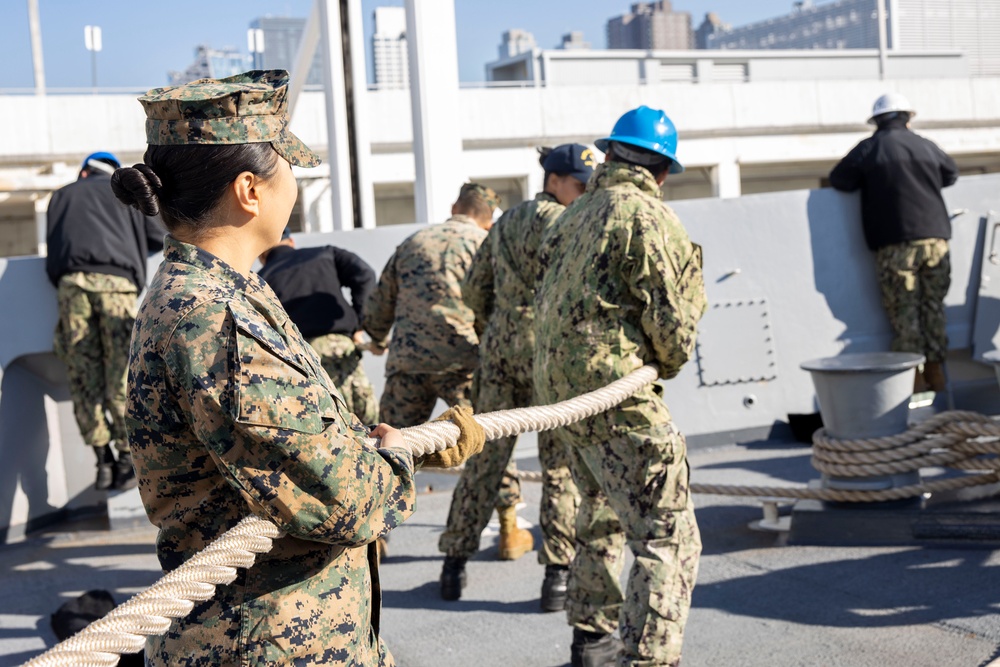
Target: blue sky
column 143, row 40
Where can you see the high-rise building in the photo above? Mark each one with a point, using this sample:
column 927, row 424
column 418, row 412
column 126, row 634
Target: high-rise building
column 911, row 25
column 514, row 42
column 710, row 26
column 392, row 62
column 651, row 25
column 210, row 63
column 281, row 44
column 573, row 40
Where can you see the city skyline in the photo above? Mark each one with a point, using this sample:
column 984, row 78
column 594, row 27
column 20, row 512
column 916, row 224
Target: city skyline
column 140, row 58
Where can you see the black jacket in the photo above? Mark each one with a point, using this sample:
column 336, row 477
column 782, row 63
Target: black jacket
column 309, row 284
column 900, row 175
column 89, row 230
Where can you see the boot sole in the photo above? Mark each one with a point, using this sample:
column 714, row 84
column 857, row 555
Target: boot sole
column 451, row 595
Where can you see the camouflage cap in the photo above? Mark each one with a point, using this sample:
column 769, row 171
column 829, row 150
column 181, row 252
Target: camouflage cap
column 244, row 109
column 491, row 198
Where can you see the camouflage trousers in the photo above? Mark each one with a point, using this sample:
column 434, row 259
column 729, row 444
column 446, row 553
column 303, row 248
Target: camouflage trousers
column 96, row 315
column 914, row 277
column 477, row 490
column 634, row 491
column 408, row 400
column 341, row 360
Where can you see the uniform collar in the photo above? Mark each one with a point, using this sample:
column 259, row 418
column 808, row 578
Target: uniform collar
column 461, row 217
column 545, row 196
column 253, row 287
column 613, row 173
column 186, row 253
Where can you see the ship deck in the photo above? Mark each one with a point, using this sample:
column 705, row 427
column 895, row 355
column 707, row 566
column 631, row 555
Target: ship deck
column 759, row 600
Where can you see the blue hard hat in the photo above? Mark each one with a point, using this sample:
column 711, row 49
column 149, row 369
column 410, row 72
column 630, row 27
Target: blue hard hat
column 101, row 155
column 646, row 128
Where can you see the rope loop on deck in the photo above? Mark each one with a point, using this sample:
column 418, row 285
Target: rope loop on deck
column 957, row 439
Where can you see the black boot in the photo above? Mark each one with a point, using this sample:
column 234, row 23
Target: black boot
column 554, row 587
column 105, row 468
column 125, row 472
column 452, row 577
column 595, row 649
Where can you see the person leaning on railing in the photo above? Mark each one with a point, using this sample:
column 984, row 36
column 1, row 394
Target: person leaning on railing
column 230, row 411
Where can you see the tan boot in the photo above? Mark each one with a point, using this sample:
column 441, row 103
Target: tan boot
column 919, row 384
column 514, row 541
column 934, row 376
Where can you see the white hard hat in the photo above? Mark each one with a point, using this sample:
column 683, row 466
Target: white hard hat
column 891, row 102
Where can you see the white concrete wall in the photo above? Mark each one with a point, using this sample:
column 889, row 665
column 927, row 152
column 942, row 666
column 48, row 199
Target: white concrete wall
column 40, row 128
column 724, row 128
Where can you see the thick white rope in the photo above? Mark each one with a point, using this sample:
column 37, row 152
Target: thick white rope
column 149, row 613
column 954, row 439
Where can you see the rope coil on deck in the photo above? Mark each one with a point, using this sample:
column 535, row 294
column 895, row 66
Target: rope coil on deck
column 125, row 628
column 956, row 439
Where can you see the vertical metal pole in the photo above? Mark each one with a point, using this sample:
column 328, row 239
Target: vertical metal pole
column 883, row 57
column 338, row 153
column 434, row 99
column 38, row 66
column 359, row 101
column 93, row 69
column 304, row 57
column 895, row 39
column 42, row 222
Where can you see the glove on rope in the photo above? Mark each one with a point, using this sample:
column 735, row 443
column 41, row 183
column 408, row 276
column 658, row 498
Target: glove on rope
column 470, row 440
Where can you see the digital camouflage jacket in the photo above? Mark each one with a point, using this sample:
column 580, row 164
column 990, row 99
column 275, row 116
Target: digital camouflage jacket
column 230, row 413
column 500, row 285
column 419, row 296
column 621, row 286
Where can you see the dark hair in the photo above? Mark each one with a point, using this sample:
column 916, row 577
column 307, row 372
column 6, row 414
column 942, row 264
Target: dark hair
column 543, row 153
column 654, row 162
column 885, row 118
column 185, row 183
column 472, row 205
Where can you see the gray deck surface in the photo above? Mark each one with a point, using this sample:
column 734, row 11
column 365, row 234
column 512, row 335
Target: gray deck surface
column 758, row 601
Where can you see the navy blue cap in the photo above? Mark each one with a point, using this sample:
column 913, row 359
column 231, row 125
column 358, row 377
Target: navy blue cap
column 574, row 159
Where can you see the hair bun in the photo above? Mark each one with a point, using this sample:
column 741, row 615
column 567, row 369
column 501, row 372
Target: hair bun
column 138, row 186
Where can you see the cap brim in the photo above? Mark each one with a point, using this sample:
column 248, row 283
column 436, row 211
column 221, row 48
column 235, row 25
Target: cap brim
column 292, row 149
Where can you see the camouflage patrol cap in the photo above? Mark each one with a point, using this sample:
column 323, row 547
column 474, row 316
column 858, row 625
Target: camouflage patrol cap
column 244, row 109
column 489, row 197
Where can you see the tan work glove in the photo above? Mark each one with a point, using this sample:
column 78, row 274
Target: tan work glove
column 470, row 440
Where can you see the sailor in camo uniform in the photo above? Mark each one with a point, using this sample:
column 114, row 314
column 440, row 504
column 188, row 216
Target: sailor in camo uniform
column 621, row 288
column 500, row 290
column 97, row 252
column 434, row 348
column 230, row 412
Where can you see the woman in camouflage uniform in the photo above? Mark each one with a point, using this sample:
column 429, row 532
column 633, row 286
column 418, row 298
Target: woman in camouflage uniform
column 229, row 410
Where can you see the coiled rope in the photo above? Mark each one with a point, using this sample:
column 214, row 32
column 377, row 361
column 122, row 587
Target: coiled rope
column 962, row 440
column 957, row 439
column 125, row 628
